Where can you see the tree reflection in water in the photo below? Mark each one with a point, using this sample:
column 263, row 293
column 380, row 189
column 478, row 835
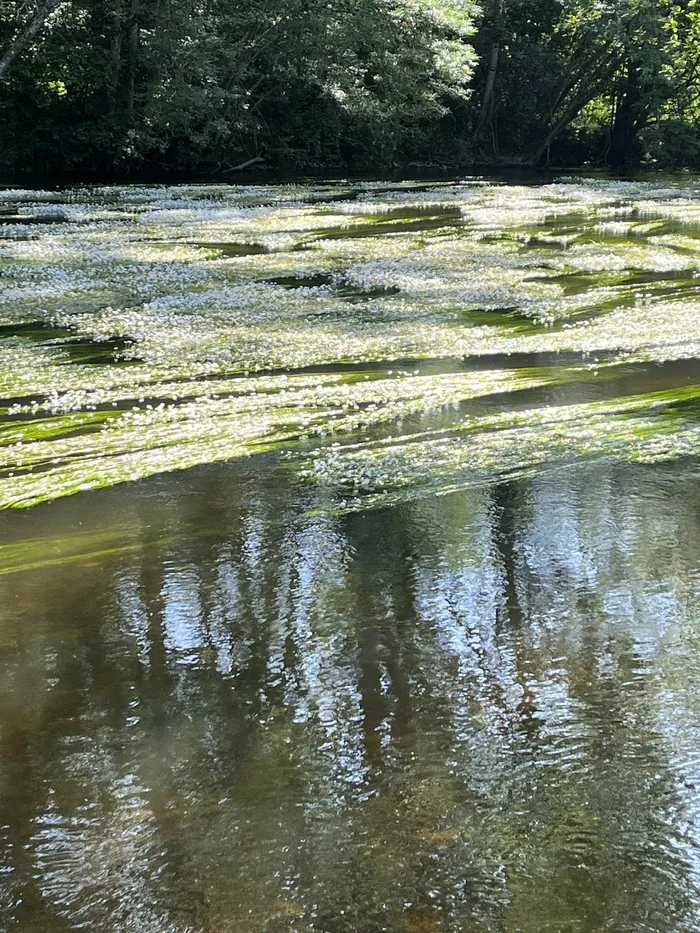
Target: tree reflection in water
column 477, row 712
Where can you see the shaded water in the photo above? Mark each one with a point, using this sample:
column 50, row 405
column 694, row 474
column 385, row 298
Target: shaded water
column 479, row 712
column 428, row 660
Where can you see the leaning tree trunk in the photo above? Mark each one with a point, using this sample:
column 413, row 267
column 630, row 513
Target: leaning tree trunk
column 582, row 90
column 534, row 155
column 30, row 32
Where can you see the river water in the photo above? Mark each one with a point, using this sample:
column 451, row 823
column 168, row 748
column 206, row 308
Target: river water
column 350, row 558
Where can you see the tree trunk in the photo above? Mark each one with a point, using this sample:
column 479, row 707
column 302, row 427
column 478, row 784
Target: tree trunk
column 487, row 100
column 574, row 108
column 588, row 88
column 133, row 61
column 30, row 32
column 116, row 56
column 630, row 118
column 159, row 42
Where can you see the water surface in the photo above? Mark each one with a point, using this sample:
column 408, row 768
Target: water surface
column 350, row 560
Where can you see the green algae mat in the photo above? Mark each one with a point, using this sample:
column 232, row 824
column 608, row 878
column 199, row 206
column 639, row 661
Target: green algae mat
column 390, row 339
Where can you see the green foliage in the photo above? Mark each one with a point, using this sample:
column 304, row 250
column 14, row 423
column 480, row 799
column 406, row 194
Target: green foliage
column 203, row 84
column 134, row 86
column 565, row 65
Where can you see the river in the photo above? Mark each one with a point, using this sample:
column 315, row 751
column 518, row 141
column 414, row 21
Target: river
column 350, row 557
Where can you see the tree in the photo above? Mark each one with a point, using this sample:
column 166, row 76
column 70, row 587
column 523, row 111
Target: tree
column 114, row 87
column 26, row 24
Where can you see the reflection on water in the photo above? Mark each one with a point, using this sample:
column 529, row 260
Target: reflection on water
column 472, row 713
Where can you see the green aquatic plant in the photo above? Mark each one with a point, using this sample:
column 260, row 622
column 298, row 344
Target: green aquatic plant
column 647, row 428
column 154, row 329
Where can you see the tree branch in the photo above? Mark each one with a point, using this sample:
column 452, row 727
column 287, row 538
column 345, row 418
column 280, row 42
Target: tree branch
column 30, row 32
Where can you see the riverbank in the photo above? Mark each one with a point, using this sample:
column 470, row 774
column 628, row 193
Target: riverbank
column 255, row 170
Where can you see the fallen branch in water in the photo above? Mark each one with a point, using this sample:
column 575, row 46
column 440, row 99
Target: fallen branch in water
column 247, row 164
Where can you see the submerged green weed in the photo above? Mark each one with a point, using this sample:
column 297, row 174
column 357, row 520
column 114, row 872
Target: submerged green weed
column 645, row 428
column 153, row 329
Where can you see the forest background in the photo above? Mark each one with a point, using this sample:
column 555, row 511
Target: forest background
column 118, row 89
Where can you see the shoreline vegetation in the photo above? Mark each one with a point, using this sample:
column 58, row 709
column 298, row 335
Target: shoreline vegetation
column 140, row 90
column 272, row 174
